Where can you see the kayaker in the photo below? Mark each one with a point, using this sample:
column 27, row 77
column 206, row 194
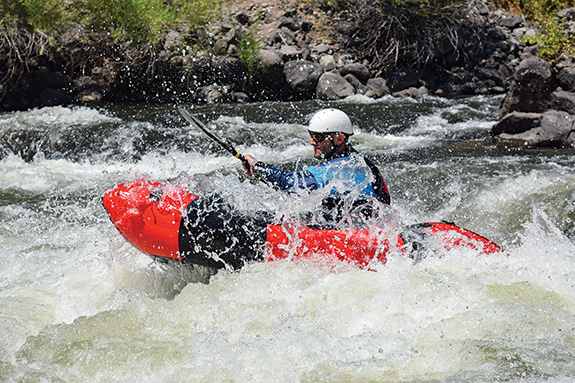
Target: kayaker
column 342, row 169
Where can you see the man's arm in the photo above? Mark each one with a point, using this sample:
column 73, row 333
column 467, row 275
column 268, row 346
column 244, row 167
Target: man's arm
column 379, row 185
column 283, row 180
column 286, row 180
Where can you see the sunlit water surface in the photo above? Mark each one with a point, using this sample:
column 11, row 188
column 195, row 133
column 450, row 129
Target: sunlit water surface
column 79, row 304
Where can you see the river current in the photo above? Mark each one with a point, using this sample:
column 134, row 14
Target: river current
column 80, row 304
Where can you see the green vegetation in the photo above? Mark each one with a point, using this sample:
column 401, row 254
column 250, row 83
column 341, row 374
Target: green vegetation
column 139, row 21
column 143, row 22
column 552, row 39
column 249, row 49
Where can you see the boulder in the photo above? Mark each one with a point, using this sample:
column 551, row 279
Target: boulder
column 357, row 85
column 52, row 97
column 332, row 86
column 269, row 82
column 328, row 62
column 88, row 96
column 556, row 127
column 269, row 58
column 412, row 92
column 377, row 87
column 516, row 123
column 566, row 75
column 403, row 79
column 533, row 76
column 550, row 129
column 511, row 21
column 302, row 76
column 240, row 97
column 46, row 79
column 567, row 16
column 492, row 74
column 360, row 71
column 210, row 95
column 291, row 53
column 290, row 22
column 231, row 71
column 564, row 101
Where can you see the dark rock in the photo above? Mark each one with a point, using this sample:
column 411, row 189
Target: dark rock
column 476, row 54
column 210, row 95
column 290, row 53
column 88, row 96
column 511, row 21
column 412, row 92
column 269, row 83
column 493, row 74
column 291, row 23
column 332, row 86
column 403, row 79
column 565, row 101
column 231, row 71
column 516, row 122
column 52, row 97
column 357, row 85
column 571, row 139
column 243, row 18
column 556, row 127
column 377, row 87
column 566, row 78
column 241, row 97
column 302, row 76
column 532, row 77
column 360, row 71
column 45, row 78
column 306, row 26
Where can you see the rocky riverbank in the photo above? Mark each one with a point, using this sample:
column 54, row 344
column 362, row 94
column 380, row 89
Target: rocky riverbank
column 293, row 51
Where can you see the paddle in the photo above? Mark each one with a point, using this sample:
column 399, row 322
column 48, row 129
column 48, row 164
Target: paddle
column 198, row 124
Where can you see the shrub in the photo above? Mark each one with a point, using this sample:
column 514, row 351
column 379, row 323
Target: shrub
column 552, row 40
column 249, row 48
column 139, row 21
column 41, row 15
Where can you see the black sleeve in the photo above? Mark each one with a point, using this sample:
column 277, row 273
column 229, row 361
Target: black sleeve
column 379, row 185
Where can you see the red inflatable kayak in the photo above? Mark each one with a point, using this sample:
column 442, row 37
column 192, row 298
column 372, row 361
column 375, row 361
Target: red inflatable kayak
column 166, row 220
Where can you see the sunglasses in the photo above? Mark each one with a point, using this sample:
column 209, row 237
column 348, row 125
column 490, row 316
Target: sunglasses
column 319, row 137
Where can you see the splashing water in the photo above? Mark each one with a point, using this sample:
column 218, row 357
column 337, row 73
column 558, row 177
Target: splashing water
column 78, row 303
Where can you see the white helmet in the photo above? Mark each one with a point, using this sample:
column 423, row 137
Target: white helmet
column 330, row 121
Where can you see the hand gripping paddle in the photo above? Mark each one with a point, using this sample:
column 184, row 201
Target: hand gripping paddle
column 198, row 124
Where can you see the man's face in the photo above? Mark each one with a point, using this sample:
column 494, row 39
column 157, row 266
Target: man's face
column 324, row 145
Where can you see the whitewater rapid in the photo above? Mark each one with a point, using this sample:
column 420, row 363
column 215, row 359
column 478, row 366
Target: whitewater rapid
column 80, row 304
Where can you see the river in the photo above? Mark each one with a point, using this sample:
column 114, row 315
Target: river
column 80, row 304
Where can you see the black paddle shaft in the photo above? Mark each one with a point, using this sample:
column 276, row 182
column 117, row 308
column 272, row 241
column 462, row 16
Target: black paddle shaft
column 198, row 124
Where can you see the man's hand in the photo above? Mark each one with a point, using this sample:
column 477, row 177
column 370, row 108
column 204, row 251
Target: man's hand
column 251, row 171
